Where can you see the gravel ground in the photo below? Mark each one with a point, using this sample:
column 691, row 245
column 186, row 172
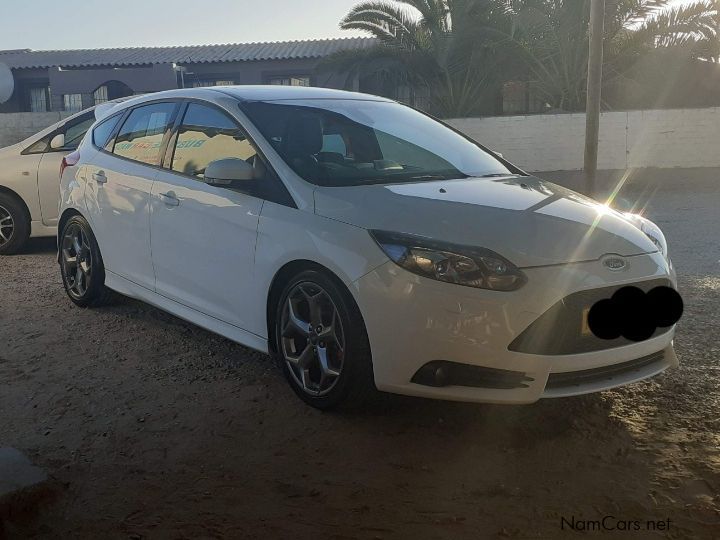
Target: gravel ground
column 153, row 428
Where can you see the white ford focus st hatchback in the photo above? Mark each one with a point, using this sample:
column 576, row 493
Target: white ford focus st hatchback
column 364, row 244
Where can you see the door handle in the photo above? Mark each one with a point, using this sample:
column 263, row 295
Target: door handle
column 100, row 177
column 170, row 199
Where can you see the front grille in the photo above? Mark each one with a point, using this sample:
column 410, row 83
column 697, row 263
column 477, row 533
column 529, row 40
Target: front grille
column 559, row 329
column 588, row 376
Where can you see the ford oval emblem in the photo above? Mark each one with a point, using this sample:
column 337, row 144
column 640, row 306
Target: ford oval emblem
column 616, row 264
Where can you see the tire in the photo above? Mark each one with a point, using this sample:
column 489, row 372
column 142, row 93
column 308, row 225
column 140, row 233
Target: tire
column 14, row 225
column 345, row 350
column 81, row 264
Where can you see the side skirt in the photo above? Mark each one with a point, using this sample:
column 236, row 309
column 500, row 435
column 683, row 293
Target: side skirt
column 38, row 229
column 233, row 333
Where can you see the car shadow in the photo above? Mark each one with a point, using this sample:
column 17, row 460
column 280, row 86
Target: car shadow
column 184, row 412
column 40, row 245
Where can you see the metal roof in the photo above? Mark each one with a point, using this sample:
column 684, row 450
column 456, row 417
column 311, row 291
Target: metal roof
column 192, row 54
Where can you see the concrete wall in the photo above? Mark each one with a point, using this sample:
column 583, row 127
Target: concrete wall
column 632, row 139
column 14, row 127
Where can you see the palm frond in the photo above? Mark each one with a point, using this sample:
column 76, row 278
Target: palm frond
column 384, row 20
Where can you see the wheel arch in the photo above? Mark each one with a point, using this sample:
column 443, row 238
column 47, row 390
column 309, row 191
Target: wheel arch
column 281, row 278
column 12, row 193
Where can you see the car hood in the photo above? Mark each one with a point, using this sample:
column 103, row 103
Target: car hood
column 529, row 221
column 12, row 149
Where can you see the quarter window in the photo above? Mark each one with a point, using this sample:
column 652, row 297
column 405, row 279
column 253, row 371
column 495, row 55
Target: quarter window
column 206, row 135
column 140, row 138
column 102, row 132
column 38, row 147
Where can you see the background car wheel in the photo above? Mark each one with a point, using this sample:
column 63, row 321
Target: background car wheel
column 321, row 340
column 14, row 225
column 81, row 264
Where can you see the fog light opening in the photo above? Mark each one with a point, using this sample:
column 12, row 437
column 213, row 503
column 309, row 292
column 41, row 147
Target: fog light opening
column 442, row 373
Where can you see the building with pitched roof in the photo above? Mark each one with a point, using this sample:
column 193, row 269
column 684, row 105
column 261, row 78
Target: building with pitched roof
column 72, row 80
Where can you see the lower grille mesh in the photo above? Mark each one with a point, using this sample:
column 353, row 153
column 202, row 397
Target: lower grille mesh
column 560, row 329
column 587, row 376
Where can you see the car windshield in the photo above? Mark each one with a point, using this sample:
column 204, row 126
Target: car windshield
column 333, row 142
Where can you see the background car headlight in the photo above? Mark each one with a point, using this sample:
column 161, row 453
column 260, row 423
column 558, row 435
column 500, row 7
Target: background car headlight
column 463, row 265
column 651, row 230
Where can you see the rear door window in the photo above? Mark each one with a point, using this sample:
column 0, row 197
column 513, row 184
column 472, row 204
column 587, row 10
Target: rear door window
column 141, row 136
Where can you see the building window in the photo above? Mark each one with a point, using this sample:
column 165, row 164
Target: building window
column 290, row 81
column 207, row 83
column 39, row 99
column 101, row 95
column 72, row 102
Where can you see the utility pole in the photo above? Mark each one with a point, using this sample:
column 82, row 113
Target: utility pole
column 594, row 85
column 717, row 29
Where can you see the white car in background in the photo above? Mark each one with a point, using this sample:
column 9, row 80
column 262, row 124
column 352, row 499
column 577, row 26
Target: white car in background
column 30, row 179
column 363, row 243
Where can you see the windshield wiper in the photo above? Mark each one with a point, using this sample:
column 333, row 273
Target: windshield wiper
column 438, row 176
column 495, row 175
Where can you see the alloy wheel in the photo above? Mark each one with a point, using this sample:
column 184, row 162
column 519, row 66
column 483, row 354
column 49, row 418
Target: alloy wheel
column 76, row 260
column 312, row 338
column 7, row 226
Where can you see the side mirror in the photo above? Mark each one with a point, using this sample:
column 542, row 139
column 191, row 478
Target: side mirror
column 58, row 141
column 226, row 172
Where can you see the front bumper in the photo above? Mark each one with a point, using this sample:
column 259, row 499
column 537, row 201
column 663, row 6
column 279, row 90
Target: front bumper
column 412, row 321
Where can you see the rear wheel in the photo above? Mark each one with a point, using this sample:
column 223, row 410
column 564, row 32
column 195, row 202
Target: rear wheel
column 322, row 343
column 81, row 265
column 14, row 225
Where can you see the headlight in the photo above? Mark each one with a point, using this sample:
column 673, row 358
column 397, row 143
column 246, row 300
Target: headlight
column 651, row 230
column 463, row 265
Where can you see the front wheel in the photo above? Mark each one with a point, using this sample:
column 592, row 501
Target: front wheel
column 14, row 225
column 321, row 340
column 81, row 265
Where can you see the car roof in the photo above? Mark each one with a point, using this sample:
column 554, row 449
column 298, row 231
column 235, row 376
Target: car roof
column 255, row 93
column 276, row 92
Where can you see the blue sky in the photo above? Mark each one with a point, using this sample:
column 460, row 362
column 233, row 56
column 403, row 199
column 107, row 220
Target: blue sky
column 74, row 24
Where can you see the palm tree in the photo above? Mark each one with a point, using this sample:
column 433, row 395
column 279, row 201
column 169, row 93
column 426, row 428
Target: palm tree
column 459, row 52
column 453, row 51
column 552, row 37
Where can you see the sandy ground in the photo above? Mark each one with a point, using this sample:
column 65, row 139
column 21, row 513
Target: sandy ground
column 153, row 428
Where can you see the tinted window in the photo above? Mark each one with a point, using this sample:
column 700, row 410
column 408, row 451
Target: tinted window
column 206, row 135
column 140, row 137
column 74, row 133
column 103, row 130
column 39, row 147
column 353, row 142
